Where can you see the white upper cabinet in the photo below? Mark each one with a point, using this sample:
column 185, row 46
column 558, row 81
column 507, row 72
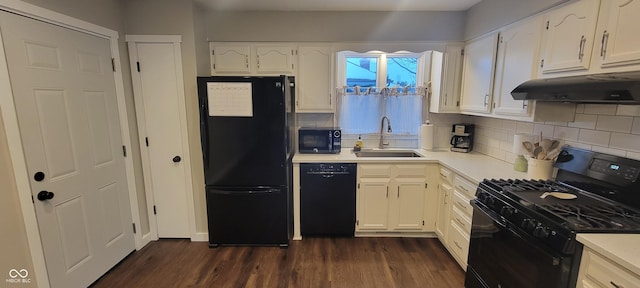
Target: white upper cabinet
column 274, row 59
column 619, row 44
column 252, row 59
column 446, row 74
column 315, row 64
column 517, row 60
column 232, row 59
column 569, row 36
column 477, row 75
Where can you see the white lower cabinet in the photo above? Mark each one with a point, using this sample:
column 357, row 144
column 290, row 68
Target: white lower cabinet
column 455, row 212
column 395, row 198
column 598, row 271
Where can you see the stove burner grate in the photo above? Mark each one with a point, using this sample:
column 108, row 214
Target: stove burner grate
column 588, row 217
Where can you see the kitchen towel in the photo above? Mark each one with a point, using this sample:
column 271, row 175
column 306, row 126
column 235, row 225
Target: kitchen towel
column 426, row 136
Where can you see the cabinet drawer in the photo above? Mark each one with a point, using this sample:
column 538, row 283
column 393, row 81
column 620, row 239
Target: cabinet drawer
column 458, row 243
column 462, row 202
column 607, row 273
column 374, row 170
column 462, row 221
column 464, row 186
column 446, row 175
column 410, row 170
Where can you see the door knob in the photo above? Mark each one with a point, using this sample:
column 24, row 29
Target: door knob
column 45, row 195
column 177, row 159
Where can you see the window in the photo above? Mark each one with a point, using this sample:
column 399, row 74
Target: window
column 380, row 84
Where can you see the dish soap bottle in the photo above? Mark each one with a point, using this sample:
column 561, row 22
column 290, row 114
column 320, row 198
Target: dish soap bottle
column 359, row 143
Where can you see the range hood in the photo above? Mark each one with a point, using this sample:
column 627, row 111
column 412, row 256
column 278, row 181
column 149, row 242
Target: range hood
column 617, row 88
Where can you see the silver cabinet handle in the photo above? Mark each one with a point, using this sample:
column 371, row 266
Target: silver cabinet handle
column 463, row 189
column 486, row 99
column 456, row 242
column 387, row 191
column 398, row 192
column 605, row 42
column 583, row 40
column 460, row 222
column 615, row 285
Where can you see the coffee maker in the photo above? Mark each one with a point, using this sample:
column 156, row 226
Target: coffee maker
column 462, row 139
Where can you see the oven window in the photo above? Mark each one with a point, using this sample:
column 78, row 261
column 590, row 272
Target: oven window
column 501, row 258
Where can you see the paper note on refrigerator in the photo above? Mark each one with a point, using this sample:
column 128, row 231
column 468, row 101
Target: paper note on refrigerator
column 230, row 99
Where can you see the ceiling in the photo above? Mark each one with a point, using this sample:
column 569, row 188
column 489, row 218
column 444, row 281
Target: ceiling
column 338, row 5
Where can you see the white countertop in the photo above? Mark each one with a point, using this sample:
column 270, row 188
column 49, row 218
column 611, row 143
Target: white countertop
column 473, row 165
column 620, row 248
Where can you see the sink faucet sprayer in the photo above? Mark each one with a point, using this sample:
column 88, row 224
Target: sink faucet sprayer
column 381, row 145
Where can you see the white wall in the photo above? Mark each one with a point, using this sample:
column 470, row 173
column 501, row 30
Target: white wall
column 335, row 26
column 489, row 15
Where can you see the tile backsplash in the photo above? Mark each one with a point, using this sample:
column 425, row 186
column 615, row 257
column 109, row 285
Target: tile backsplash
column 607, row 128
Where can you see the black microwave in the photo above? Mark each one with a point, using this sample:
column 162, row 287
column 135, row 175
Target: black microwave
column 319, row 140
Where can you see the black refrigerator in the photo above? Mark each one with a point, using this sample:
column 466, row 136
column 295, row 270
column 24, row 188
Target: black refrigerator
column 247, row 127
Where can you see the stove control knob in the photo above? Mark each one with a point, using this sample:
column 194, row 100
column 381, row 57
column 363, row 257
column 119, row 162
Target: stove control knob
column 529, row 224
column 490, row 200
column 541, row 232
column 482, row 196
column 507, row 211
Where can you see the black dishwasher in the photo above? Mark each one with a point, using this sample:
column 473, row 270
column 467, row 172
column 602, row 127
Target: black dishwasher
column 327, row 199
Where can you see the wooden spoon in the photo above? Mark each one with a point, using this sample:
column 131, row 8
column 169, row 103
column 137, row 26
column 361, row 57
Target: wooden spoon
column 528, row 146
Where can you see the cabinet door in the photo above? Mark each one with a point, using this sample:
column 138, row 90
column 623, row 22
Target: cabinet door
column 274, row 59
column 446, row 73
column 569, row 33
column 373, row 204
column 444, row 200
column 233, row 59
column 314, row 80
column 407, row 204
column 620, row 44
column 477, row 76
column 517, row 62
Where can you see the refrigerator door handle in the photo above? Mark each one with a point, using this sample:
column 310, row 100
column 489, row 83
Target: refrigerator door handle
column 244, row 191
column 204, row 128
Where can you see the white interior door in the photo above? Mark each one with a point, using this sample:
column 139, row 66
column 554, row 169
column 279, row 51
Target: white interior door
column 158, row 89
column 64, row 92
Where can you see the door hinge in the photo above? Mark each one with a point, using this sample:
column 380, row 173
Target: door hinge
column 457, row 103
column 214, row 66
column 357, row 222
column 213, row 52
column 113, row 64
column 134, row 228
column 542, row 63
column 422, row 222
column 32, row 201
column 154, row 210
column 494, row 105
column 426, row 185
column 462, row 52
column 547, row 25
column 124, row 151
column 358, row 185
column 138, row 65
column 146, row 141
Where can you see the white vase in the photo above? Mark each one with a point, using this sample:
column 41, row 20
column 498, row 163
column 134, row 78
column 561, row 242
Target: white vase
column 539, row 169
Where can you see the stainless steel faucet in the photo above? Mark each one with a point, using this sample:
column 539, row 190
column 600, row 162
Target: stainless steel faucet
column 381, row 144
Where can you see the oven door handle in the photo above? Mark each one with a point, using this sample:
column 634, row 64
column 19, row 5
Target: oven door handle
column 554, row 257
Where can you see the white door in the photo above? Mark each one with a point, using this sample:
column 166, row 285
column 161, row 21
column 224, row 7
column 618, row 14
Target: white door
column 477, row 75
column 64, row 91
column 314, row 80
column 620, row 44
column 373, row 204
column 569, row 35
column 157, row 97
column 517, row 62
column 408, row 208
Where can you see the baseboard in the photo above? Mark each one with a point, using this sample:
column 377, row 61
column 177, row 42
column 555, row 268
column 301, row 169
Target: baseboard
column 200, row 237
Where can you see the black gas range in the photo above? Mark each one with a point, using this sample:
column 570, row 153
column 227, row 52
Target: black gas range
column 532, row 224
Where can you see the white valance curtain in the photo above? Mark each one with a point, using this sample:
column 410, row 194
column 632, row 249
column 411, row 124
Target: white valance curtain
column 366, row 108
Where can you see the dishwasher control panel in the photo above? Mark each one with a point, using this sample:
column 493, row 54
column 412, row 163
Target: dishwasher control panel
column 329, row 168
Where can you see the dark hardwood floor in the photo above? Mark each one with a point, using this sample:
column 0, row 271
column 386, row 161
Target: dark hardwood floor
column 313, row 262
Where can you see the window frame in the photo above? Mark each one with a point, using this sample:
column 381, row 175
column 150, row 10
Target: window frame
column 422, row 78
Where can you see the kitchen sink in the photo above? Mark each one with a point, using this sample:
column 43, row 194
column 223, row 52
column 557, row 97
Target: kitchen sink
column 387, row 153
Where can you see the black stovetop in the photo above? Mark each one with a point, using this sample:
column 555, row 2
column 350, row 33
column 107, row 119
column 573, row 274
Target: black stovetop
column 585, row 213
